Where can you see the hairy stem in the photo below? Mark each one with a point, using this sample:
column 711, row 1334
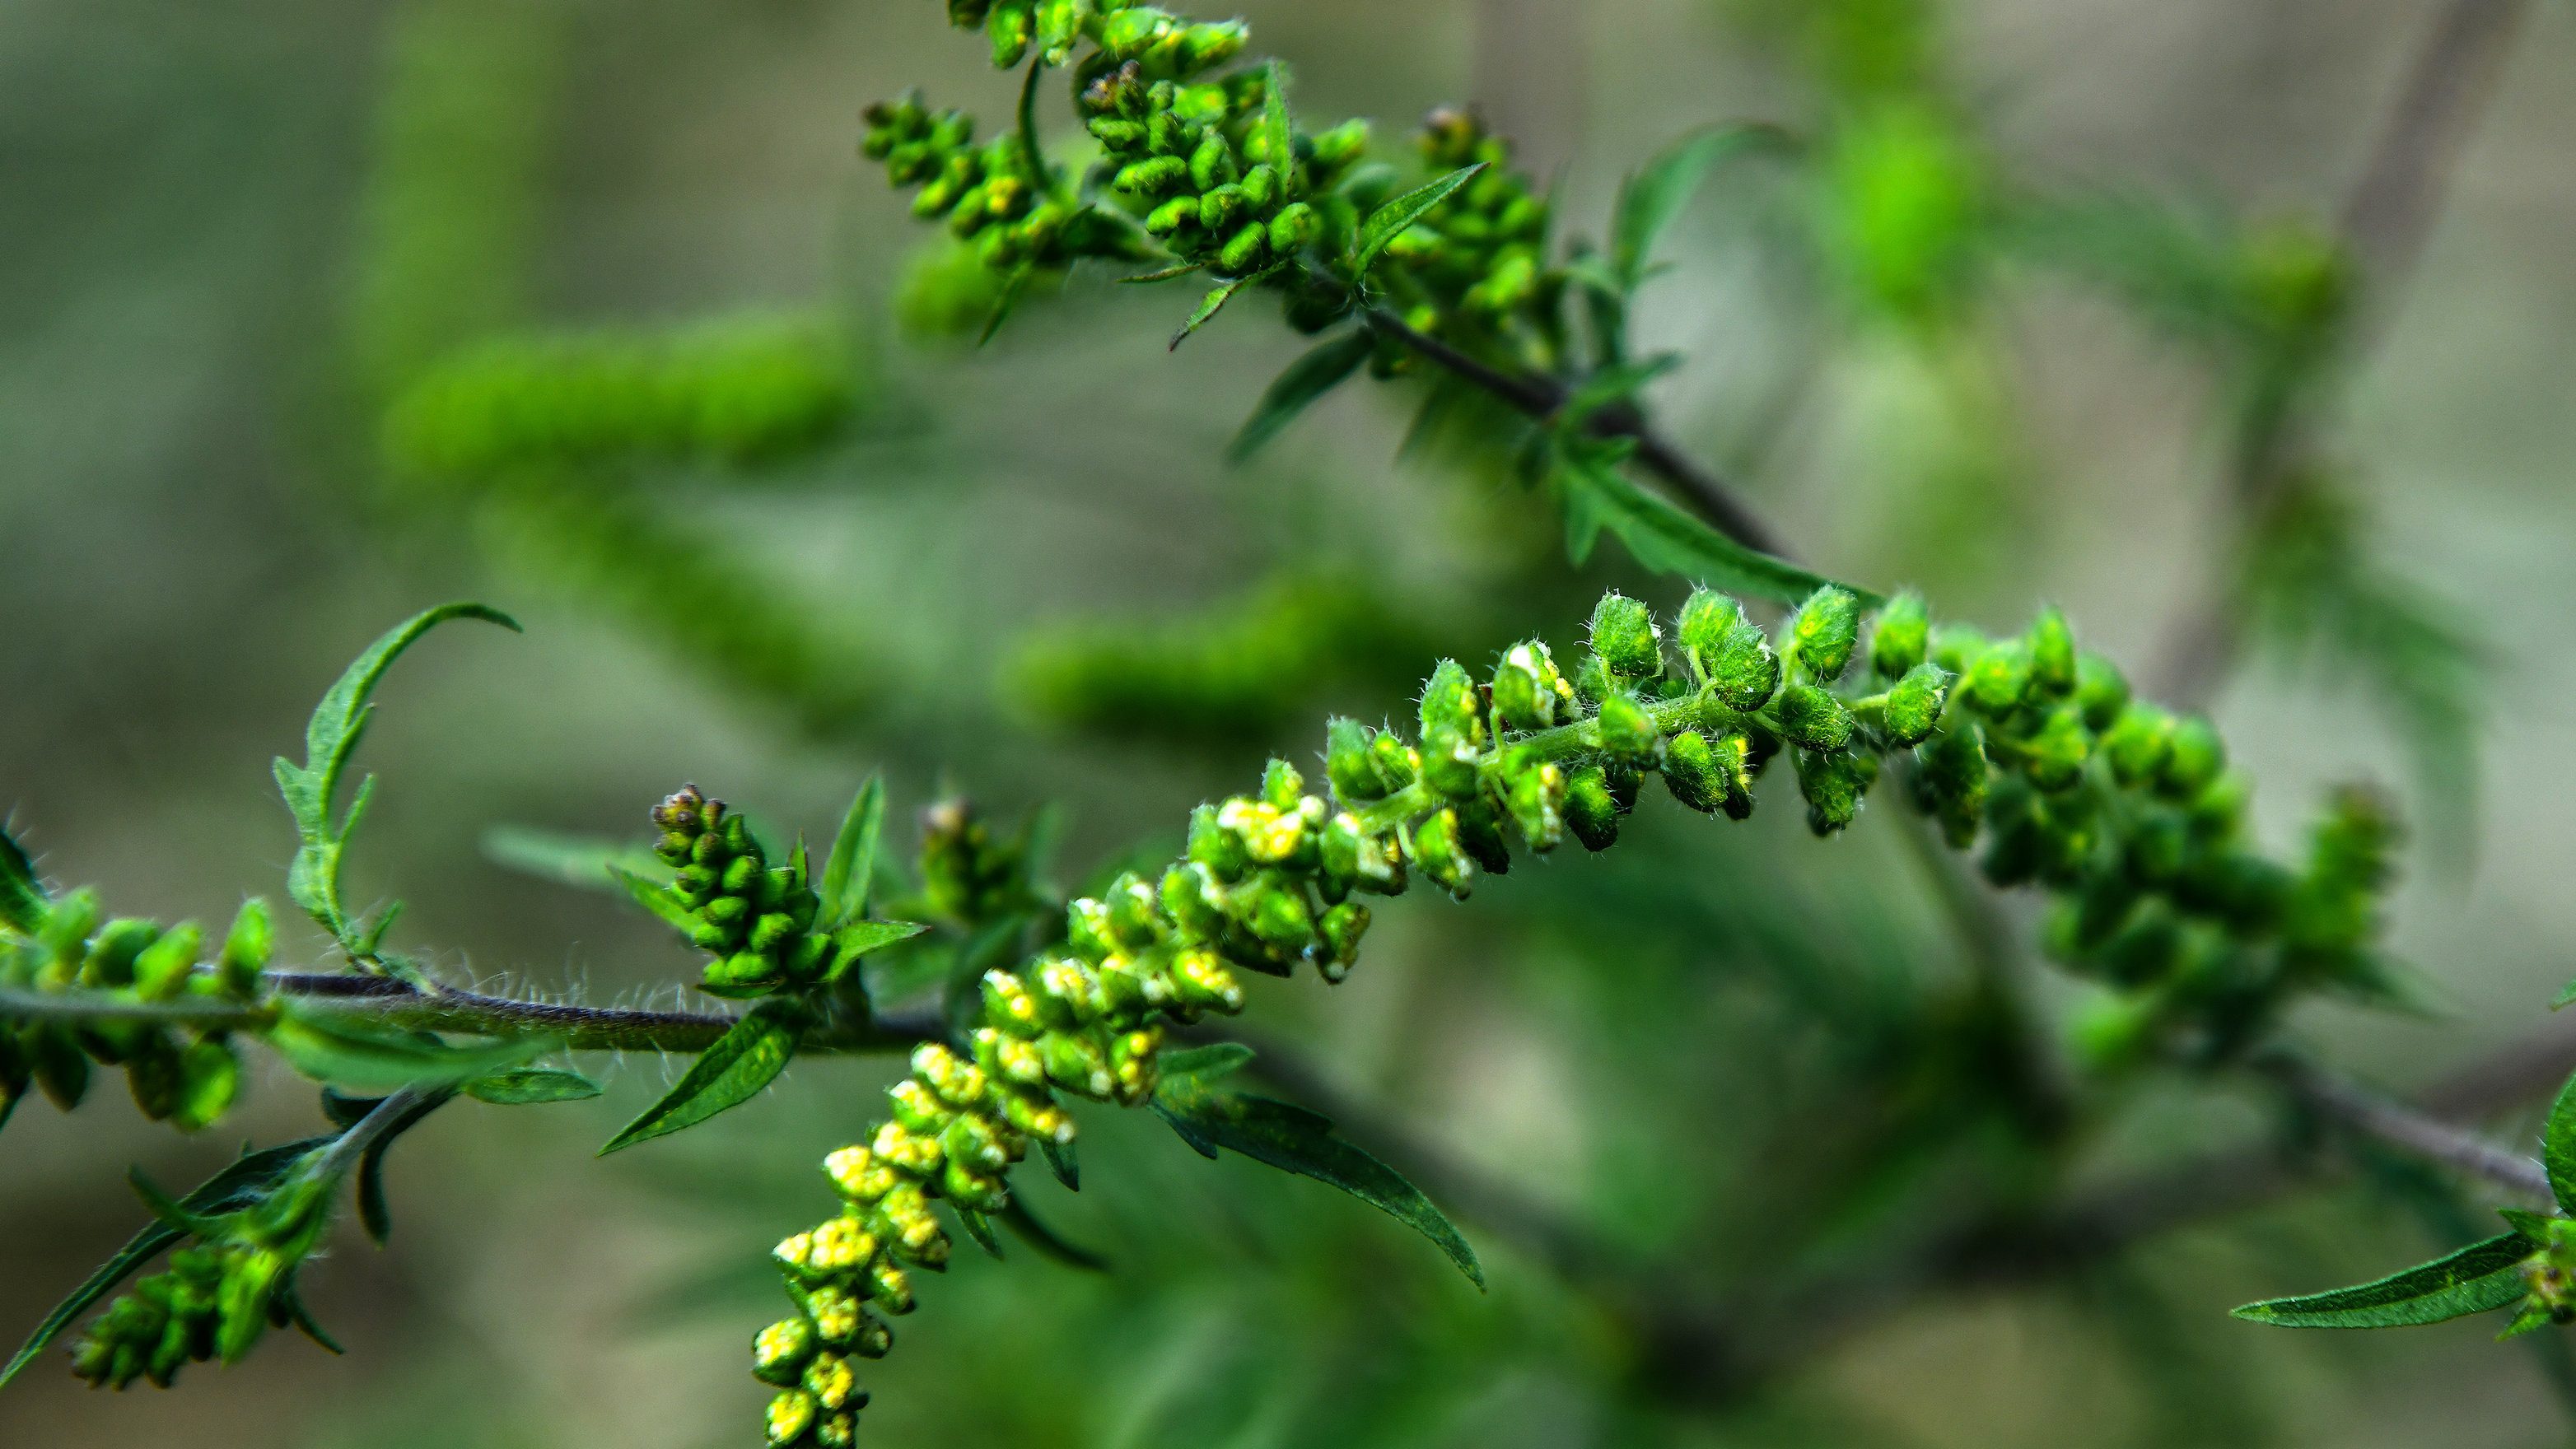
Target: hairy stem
column 388, row 1002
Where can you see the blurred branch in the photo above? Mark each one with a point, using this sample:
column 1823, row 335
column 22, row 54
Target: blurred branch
column 2385, row 221
column 1713, row 497
column 386, row 1001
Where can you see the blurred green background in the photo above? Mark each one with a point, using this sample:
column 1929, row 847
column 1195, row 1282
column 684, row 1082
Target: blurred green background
column 237, row 233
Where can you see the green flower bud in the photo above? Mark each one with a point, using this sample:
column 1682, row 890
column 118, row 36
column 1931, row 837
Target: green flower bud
column 1449, row 762
column 2195, row 759
column 1194, row 898
column 2053, row 756
column 2051, row 646
column 161, row 970
column 1956, row 647
column 112, row 953
column 1589, row 810
column 1823, row 633
column 1904, row 630
column 1449, row 702
column 1214, row 846
column 1275, row 911
column 1813, row 718
column 1341, row 930
column 1244, row 251
column 780, row 1352
column 1707, row 621
column 1398, row 764
column 1347, row 764
column 1527, row 689
column 1912, row 709
column 247, row 947
column 2137, row 743
column 2100, row 691
column 1281, row 786
column 1213, row 168
column 61, row 1067
column 209, row 1082
column 1011, row 28
column 1626, row 732
column 1152, row 176
column 1833, row 783
column 1745, row 673
column 1537, row 800
column 1999, row 679
column 1950, row 782
column 1219, row 208
column 790, row 1415
column 1625, row 637
column 1294, row 229
column 1437, row 851
column 1261, row 189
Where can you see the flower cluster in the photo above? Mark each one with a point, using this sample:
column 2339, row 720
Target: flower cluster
column 992, row 195
column 1207, row 161
column 755, row 918
column 219, row 1294
column 2126, row 813
column 187, row 1075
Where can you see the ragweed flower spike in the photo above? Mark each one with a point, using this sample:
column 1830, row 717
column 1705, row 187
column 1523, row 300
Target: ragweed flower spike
column 2156, row 892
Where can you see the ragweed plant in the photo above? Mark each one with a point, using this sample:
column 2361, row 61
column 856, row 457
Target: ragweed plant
column 2026, row 755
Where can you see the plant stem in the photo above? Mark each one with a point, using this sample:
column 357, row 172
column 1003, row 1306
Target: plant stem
column 1540, row 398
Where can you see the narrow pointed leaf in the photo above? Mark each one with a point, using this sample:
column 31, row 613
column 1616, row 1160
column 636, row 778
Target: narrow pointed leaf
column 531, row 1086
column 1203, row 1066
column 1163, row 274
column 2558, row 1146
column 1325, row 367
column 1649, row 200
column 234, row 1188
column 853, row 862
column 374, row 1213
column 980, row 1228
column 1667, row 540
column 330, row 737
column 302, row 1317
column 1222, row 293
column 743, row 1062
column 590, row 862
column 659, row 900
column 1293, row 1139
column 23, row 902
column 327, row 1049
column 1028, row 116
column 1063, row 1161
column 2477, row 1278
column 1388, row 222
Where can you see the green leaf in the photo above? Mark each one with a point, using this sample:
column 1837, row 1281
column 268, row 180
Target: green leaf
column 373, row 1213
column 853, row 862
column 1050, row 1244
column 2475, row 1279
column 2558, row 1146
column 2534, row 1226
column 1012, row 286
column 330, row 737
column 1063, row 1161
column 302, row 1317
column 1163, row 274
column 733, row 1071
column 530, row 1086
column 340, row 1052
column 980, row 1229
column 1667, row 540
column 1217, row 297
column 1324, row 367
column 1388, row 222
column 2566, row 994
column 855, row 940
column 1293, row 1139
column 660, row 900
column 1203, row 1066
column 575, row 860
column 1609, row 386
column 23, row 902
column 1649, row 200
column 245, row 1182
